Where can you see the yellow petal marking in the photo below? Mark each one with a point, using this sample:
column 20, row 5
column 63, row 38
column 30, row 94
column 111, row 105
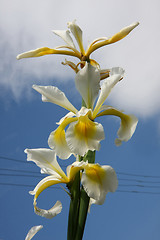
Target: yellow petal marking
column 95, row 173
column 85, row 128
column 118, row 36
column 59, row 134
column 45, row 51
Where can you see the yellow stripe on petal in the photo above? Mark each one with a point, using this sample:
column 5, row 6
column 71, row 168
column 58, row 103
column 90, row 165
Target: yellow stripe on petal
column 57, row 140
column 85, row 128
column 118, row 36
column 84, row 135
column 46, row 51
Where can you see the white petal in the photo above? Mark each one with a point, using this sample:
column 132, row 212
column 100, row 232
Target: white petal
column 46, row 160
column 111, row 182
column 33, row 231
column 127, row 128
column 60, row 146
column 77, row 33
column 85, row 138
column 115, row 75
column 65, row 35
column 92, row 188
column 56, row 209
column 98, row 181
column 54, row 95
column 87, row 82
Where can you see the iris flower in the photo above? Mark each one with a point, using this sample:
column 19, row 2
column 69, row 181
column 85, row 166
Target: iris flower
column 83, row 133
column 70, row 48
column 96, row 180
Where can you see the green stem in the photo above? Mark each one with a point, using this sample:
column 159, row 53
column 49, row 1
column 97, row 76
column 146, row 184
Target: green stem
column 74, row 208
column 84, row 201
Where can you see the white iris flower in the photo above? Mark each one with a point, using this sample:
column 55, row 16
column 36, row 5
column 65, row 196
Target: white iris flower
column 83, row 133
column 70, row 48
column 96, row 180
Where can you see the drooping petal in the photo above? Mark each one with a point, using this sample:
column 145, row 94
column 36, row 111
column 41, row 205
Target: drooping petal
column 98, row 181
column 57, row 139
column 65, row 35
column 54, row 95
column 127, row 126
column 45, row 183
column 87, row 82
column 118, row 36
column 46, row 160
column 77, row 33
column 46, row 51
column 33, row 231
column 52, row 212
column 84, row 135
column 115, row 75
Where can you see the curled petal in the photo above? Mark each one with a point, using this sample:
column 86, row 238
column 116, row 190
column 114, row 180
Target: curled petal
column 45, row 183
column 52, row 212
column 84, row 135
column 71, row 65
column 88, row 84
column 54, row 95
column 65, row 35
column 46, row 160
column 77, row 33
column 127, row 126
column 115, row 76
column 33, row 231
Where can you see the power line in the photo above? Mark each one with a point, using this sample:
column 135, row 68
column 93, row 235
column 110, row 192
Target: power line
column 59, row 188
column 41, row 176
column 119, row 173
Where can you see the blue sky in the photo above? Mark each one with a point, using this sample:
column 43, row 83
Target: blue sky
column 26, row 122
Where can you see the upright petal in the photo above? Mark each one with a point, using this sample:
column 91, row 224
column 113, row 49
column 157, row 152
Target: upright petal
column 127, row 126
column 105, row 41
column 84, row 135
column 33, row 231
column 77, row 33
column 122, row 33
column 87, row 82
column 65, row 35
column 54, row 95
column 115, row 75
column 46, row 160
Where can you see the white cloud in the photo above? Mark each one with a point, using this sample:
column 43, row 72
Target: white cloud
column 25, row 25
